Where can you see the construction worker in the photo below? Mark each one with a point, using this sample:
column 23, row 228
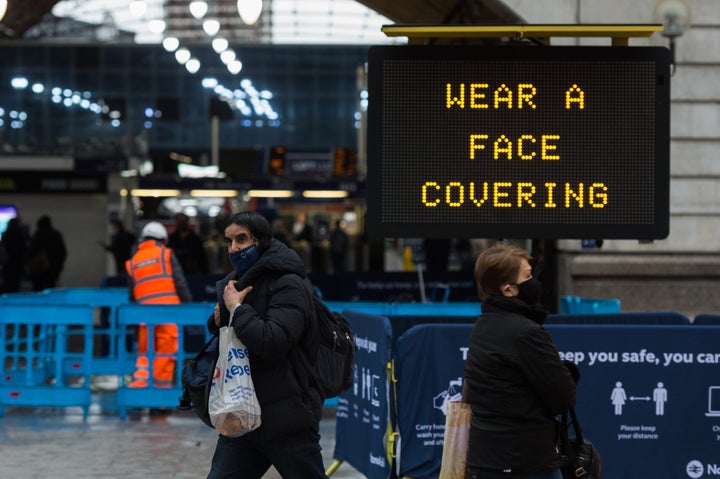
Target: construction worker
column 156, row 277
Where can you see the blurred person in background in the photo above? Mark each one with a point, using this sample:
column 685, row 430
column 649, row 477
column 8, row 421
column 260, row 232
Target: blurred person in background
column 302, row 239
column 14, row 243
column 338, row 247
column 47, row 255
column 188, row 246
column 121, row 245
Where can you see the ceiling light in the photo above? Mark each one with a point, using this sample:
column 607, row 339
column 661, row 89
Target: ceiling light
column 156, row 26
column 171, row 44
column 219, row 45
column 138, row 8
column 154, row 193
column 214, row 193
column 182, row 55
column 324, row 194
column 3, row 8
column 19, row 83
column 192, row 65
column 211, row 27
column 234, row 67
column 227, row 56
column 198, row 9
column 209, row 82
column 249, row 10
column 270, row 193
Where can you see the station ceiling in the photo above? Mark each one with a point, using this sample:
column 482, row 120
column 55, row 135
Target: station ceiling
column 34, row 20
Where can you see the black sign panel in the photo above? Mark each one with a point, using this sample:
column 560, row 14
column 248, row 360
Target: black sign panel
column 519, row 142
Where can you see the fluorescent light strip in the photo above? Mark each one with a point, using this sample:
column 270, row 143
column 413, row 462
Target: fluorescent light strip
column 154, row 193
column 270, row 193
column 325, row 194
column 214, row 193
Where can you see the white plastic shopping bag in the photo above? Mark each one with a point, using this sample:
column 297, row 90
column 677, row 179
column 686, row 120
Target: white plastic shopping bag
column 233, row 406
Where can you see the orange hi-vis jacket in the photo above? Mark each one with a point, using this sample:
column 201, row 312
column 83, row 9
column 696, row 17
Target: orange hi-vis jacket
column 152, row 274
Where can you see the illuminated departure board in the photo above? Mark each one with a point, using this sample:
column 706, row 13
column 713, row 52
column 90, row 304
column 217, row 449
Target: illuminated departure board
column 518, row 142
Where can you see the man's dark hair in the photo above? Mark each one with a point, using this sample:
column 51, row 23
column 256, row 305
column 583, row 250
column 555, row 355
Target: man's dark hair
column 256, row 224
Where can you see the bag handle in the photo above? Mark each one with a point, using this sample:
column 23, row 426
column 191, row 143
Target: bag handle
column 185, row 403
column 575, row 424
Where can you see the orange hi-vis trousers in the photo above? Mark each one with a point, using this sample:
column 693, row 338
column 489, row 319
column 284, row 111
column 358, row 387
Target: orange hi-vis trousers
column 165, row 342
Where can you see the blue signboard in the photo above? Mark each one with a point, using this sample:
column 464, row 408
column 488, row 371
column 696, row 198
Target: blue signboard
column 429, row 363
column 649, row 397
column 363, row 411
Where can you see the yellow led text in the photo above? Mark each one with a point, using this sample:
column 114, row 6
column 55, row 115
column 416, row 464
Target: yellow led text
column 505, row 194
column 525, row 146
column 479, row 96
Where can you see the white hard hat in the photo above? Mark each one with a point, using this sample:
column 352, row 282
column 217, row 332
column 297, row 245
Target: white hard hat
column 154, row 230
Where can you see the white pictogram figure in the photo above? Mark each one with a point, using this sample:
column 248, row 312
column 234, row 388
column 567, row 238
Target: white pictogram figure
column 660, row 396
column 453, row 393
column 618, row 398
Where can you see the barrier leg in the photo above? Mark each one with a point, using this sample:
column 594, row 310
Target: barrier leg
column 333, row 467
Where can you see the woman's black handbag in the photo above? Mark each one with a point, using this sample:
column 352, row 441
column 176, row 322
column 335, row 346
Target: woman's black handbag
column 581, row 459
column 197, row 376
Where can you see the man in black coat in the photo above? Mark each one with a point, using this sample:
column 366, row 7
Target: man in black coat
column 269, row 302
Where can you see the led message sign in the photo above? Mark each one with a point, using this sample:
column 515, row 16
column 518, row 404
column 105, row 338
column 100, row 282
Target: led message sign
column 518, row 142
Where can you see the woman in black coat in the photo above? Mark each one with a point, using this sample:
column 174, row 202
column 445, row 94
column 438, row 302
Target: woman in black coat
column 516, row 382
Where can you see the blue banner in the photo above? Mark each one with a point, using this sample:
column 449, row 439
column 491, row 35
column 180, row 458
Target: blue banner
column 363, row 411
column 429, row 366
column 648, row 397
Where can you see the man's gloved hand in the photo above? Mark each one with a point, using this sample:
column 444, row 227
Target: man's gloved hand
column 574, row 370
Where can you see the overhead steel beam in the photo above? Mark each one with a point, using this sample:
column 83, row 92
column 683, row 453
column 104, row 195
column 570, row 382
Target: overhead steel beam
column 22, row 15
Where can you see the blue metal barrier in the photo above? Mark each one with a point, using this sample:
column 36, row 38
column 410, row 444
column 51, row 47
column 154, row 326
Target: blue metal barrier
column 705, row 319
column 46, row 355
column 655, row 317
column 104, row 301
column 107, row 341
column 578, row 305
column 406, row 309
column 130, row 316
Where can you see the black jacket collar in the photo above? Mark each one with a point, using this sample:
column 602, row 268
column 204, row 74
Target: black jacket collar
column 536, row 313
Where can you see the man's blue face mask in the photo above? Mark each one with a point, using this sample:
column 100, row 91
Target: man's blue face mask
column 243, row 259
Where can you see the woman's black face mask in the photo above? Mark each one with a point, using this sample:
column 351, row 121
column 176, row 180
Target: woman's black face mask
column 529, row 291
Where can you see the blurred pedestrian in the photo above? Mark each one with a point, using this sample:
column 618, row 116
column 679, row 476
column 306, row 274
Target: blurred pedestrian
column 47, row 255
column 280, row 233
column 121, row 245
column 302, row 231
column 216, row 251
column 302, row 240
column 188, row 246
column 14, row 242
column 338, row 247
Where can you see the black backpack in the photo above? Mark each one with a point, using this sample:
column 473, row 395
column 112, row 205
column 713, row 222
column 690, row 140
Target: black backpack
column 197, row 375
column 335, row 360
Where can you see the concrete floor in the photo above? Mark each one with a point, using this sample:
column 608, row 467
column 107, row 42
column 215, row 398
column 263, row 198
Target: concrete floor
column 55, row 442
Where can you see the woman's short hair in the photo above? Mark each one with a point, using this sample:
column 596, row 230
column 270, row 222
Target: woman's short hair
column 256, row 224
column 496, row 266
